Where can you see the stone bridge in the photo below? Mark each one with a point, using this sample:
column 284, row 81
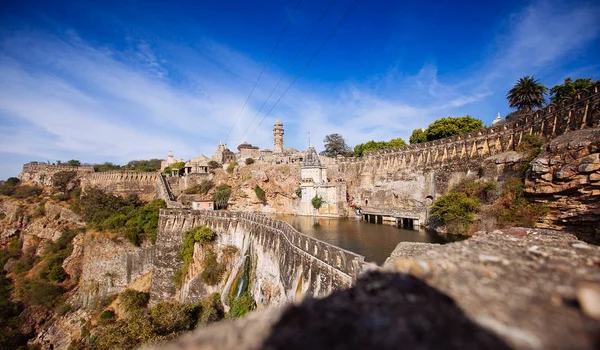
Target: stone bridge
column 286, row 264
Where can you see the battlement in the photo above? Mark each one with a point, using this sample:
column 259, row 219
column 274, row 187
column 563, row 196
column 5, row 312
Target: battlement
column 580, row 111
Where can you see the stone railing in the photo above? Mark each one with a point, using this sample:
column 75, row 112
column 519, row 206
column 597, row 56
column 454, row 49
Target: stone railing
column 578, row 112
column 123, row 176
column 348, row 263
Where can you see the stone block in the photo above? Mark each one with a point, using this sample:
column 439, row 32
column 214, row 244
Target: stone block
column 565, row 172
column 588, row 167
column 595, row 177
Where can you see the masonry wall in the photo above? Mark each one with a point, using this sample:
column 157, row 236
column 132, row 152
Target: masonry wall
column 285, row 262
column 124, row 183
column 42, row 174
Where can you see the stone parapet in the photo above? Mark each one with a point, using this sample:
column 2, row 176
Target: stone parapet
column 579, row 112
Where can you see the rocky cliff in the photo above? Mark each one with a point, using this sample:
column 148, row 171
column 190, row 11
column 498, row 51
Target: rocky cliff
column 566, row 178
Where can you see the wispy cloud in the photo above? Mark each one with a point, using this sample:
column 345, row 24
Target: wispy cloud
column 62, row 98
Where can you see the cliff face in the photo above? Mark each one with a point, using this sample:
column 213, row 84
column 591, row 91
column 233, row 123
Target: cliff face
column 566, row 178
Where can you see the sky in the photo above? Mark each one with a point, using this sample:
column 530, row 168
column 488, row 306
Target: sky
column 114, row 81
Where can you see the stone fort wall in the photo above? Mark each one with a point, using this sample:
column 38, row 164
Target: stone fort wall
column 581, row 111
column 286, row 262
column 42, row 174
column 124, row 183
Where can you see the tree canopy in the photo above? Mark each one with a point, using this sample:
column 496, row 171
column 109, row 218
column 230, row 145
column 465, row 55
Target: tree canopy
column 569, row 88
column 446, row 127
column 335, row 145
column 528, row 93
column 376, row 145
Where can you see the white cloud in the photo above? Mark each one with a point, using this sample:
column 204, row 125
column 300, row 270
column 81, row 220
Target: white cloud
column 61, row 98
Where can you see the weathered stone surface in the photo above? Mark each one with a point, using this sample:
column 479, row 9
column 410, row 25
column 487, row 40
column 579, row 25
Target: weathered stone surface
column 408, row 250
column 515, row 288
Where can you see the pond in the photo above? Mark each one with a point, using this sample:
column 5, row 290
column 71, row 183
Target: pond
column 374, row 241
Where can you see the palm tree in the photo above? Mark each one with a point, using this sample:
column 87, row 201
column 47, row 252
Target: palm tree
column 528, row 93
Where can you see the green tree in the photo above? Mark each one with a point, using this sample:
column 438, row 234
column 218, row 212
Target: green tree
column 317, row 202
column 527, row 94
column 569, row 88
column 376, row 145
column 418, row 136
column 446, row 127
column 335, row 145
column 74, row 162
column 221, row 196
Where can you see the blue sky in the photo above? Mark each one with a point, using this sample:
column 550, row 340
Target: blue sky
column 116, row 81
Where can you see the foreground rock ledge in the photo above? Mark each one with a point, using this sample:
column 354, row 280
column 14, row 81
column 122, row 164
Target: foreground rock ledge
column 516, row 288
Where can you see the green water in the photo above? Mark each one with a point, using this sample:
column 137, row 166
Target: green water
column 374, row 241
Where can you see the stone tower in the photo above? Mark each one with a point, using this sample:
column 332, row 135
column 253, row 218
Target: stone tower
column 278, row 137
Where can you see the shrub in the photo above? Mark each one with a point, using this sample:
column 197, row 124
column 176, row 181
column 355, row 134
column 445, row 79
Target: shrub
column 39, row 211
column 107, row 316
column 513, row 209
column 213, row 165
column 201, row 188
column 132, row 300
column 212, row 309
column 221, row 196
column 213, row 271
column 201, row 234
column 241, row 305
column 14, row 248
column 299, row 192
column 26, row 191
column 530, row 146
column 249, row 161
column 62, row 179
column 231, row 167
column 260, row 194
column 12, row 181
column 6, row 189
column 42, row 293
column 170, row 318
column 317, row 202
column 456, row 211
column 484, row 190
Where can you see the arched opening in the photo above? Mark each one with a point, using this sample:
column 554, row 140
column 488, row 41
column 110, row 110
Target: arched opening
column 366, row 202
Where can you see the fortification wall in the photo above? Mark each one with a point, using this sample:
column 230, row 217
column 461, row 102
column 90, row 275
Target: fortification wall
column 285, row 263
column 41, row 174
column 123, row 183
column 581, row 111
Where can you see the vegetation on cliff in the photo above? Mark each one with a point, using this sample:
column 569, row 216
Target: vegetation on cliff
column 361, row 148
column 129, row 217
column 221, row 196
column 212, row 270
column 138, row 324
column 260, row 194
column 317, row 202
column 201, row 188
column 446, row 127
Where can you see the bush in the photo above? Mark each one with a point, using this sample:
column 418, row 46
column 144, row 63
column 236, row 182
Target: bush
column 260, row 194
column 221, row 196
column 201, row 188
column 132, row 300
column 12, row 181
column 201, row 234
column 299, row 192
column 231, row 167
column 170, row 318
column 62, row 179
column 107, row 316
column 213, row 271
column 483, row 190
column 317, row 202
column 26, row 191
column 249, row 161
column 212, row 309
column 456, row 211
column 530, row 146
column 242, row 305
column 14, row 248
column 42, row 293
column 213, row 165
column 513, row 209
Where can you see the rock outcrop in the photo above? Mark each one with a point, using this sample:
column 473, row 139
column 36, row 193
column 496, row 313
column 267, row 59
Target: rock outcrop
column 516, row 288
column 566, row 178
